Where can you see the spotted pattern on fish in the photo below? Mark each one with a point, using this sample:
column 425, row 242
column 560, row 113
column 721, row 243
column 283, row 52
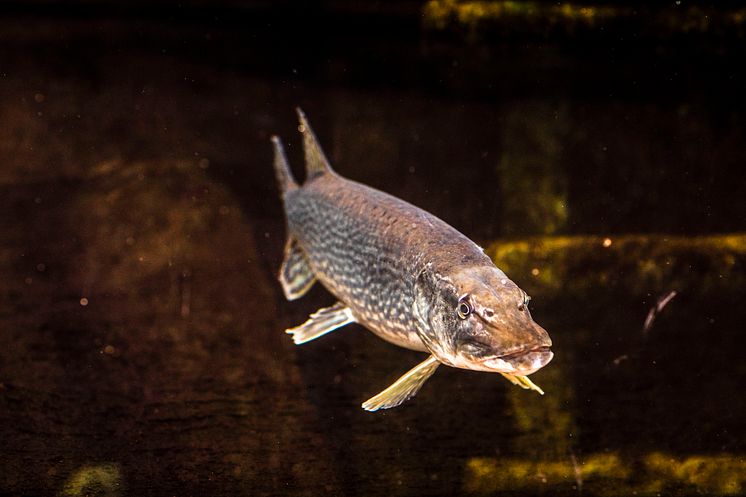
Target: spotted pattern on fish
column 367, row 248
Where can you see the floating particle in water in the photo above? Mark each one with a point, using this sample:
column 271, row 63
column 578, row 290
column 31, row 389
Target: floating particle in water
column 39, row 98
column 656, row 309
column 620, row 359
column 41, row 267
column 607, row 242
column 84, row 301
column 535, row 271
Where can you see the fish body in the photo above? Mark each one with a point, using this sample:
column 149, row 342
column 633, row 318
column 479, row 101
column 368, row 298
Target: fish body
column 404, row 274
column 367, row 248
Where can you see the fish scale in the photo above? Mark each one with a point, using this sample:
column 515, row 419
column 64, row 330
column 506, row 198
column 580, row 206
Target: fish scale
column 404, row 274
column 359, row 238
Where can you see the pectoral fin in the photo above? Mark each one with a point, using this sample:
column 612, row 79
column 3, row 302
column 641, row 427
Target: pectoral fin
column 296, row 274
column 523, row 382
column 405, row 387
column 322, row 322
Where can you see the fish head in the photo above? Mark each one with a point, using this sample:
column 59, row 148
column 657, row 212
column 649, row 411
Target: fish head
column 477, row 318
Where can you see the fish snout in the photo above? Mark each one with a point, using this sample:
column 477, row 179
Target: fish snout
column 538, row 354
column 533, row 354
column 531, row 361
column 542, row 337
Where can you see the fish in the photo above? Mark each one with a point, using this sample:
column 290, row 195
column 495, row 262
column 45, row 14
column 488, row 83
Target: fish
column 402, row 273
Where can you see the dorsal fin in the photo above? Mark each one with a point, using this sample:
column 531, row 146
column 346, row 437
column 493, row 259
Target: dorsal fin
column 285, row 180
column 316, row 162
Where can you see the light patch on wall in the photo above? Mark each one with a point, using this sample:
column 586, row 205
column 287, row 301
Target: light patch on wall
column 98, row 479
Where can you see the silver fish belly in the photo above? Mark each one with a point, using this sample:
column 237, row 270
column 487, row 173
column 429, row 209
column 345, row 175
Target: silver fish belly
column 398, row 271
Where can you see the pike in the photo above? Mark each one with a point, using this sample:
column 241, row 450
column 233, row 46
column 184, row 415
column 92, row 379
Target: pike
column 404, row 274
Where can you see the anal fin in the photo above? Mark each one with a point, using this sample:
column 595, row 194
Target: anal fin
column 296, row 275
column 322, row 322
column 405, row 387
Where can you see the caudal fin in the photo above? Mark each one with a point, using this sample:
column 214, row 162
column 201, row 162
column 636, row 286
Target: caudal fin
column 316, row 162
column 285, row 180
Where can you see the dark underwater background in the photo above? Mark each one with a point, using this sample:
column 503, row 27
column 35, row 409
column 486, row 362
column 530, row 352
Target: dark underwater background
column 596, row 151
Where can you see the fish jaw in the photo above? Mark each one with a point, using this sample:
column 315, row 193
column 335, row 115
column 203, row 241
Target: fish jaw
column 522, row 363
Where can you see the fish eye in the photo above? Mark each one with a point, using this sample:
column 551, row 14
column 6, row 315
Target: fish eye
column 464, row 308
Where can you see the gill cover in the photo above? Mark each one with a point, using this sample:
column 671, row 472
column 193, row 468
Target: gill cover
column 434, row 295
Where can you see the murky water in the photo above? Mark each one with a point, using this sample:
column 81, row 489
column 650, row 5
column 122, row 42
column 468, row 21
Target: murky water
column 142, row 346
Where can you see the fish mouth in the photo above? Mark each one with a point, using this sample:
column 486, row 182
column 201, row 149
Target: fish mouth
column 522, row 362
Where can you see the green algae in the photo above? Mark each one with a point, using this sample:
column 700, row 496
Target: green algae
column 541, row 17
column 609, row 474
column 543, row 425
column 638, row 264
column 533, row 185
column 100, row 479
column 470, row 13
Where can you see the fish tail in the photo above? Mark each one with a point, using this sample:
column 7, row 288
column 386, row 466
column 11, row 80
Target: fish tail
column 316, row 162
column 285, row 180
